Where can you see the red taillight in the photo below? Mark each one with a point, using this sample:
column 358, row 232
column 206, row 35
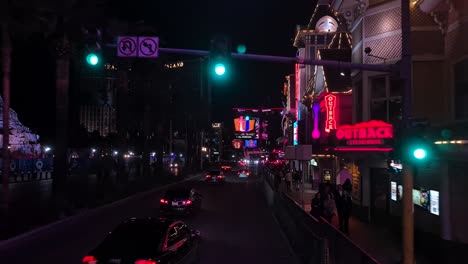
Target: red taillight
column 163, row 201
column 89, row 260
column 208, row 176
column 219, row 177
column 188, row 202
column 144, row 261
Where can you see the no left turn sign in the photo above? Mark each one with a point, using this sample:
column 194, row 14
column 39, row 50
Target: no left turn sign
column 148, row 47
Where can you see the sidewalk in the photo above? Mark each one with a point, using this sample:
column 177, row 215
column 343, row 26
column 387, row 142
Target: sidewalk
column 383, row 242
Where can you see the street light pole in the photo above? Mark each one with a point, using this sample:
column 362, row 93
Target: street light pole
column 405, row 73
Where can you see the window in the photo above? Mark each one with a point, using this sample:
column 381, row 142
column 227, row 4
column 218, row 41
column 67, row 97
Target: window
column 461, row 90
column 386, row 100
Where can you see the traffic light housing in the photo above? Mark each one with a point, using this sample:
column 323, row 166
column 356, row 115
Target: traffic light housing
column 220, row 57
column 92, row 46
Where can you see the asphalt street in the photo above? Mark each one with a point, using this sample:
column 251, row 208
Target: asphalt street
column 235, row 223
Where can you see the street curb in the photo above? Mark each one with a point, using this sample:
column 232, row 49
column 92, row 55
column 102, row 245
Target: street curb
column 30, row 234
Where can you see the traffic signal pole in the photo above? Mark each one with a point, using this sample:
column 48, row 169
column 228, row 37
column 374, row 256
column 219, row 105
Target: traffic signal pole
column 408, row 170
column 298, row 60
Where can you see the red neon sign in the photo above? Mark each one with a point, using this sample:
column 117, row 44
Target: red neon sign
column 357, row 149
column 366, row 133
column 298, row 90
column 330, row 106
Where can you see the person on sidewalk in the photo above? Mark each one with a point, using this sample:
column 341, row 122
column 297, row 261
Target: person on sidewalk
column 328, row 201
column 297, row 179
column 316, row 204
column 346, row 206
column 288, row 180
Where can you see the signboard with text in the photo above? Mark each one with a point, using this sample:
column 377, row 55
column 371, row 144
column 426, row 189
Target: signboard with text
column 372, row 133
column 330, row 106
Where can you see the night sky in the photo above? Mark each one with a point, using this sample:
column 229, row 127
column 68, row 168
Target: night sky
column 264, row 26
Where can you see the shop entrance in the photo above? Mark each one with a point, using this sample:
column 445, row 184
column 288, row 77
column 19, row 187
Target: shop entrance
column 380, row 193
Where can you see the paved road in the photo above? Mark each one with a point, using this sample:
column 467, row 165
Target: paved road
column 235, row 223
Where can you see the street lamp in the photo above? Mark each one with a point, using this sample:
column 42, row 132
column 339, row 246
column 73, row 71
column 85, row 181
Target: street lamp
column 47, row 149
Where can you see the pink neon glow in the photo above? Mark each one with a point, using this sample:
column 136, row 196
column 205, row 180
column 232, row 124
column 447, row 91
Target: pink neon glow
column 363, row 149
column 330, row 105
column 298, row 92
column 316, row 131
column 371, row 123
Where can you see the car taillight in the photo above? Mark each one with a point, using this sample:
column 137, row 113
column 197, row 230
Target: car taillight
column 219, row 177
column 188, row 202
column 163, row 201
column 144, row 261
column 208, row 176
column 89, row 260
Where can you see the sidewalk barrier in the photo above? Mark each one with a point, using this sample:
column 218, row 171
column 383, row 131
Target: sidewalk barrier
column 314, row 240
column 305, row 243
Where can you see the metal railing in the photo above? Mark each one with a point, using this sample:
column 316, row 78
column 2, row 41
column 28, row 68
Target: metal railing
column 313, row 240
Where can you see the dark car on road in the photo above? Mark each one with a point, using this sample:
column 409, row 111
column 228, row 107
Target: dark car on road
column 147, row 241
column 183, row 201
column 215, row 176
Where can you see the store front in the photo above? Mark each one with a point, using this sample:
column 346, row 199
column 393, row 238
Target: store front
column 363, row 152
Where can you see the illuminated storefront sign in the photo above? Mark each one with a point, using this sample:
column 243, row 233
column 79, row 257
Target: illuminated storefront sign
column 244, row 124
column 330, row 106
column 366, row 133
column 316, row 131
column 295, row 134
column 298, row 90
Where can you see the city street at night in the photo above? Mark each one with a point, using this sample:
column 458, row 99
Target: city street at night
column 235, row 223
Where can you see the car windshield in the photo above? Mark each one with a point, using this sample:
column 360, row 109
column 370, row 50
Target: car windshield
column 214, row 172
column 134, row 239
column 177, row 194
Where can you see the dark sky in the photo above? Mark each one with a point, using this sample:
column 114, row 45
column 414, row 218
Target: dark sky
column 264, row 26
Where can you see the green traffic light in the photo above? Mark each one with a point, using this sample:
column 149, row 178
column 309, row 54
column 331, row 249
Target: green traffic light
column 220, row 69
column 92, row 59
column 419, row 153
column 241, row 49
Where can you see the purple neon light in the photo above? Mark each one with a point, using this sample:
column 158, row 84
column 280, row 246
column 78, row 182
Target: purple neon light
column 316, row 131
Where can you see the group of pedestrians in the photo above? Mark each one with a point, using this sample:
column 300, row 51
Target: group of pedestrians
column 290, row 176
column 333, row 200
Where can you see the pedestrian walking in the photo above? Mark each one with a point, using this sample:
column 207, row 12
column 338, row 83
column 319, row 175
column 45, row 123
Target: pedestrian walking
column 328, row 201
column 288, row 180
column 346, row 206
column 297, row 179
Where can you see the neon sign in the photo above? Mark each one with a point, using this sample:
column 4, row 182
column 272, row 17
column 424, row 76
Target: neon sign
column 298, row 91
column 330, row 106
column 295, row 134
column 366, row 133
column 244, row 124
column 316, row 131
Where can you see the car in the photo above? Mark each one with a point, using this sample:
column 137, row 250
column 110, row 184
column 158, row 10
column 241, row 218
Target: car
column 181, row 201
column 243, row 173
column 174, row 165
column 147, row 241
column 226, row 167
column 215, row 176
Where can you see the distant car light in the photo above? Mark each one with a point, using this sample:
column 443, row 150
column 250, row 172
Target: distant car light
column 164, row 201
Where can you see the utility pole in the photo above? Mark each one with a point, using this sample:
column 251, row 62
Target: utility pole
column 405, row 74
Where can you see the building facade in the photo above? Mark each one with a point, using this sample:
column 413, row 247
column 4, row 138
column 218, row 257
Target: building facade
column 439, row 46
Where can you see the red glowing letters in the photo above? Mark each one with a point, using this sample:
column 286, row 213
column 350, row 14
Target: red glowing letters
column 330, row 106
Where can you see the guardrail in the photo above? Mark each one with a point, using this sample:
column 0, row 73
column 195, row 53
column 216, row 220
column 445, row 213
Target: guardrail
column 313, row 240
